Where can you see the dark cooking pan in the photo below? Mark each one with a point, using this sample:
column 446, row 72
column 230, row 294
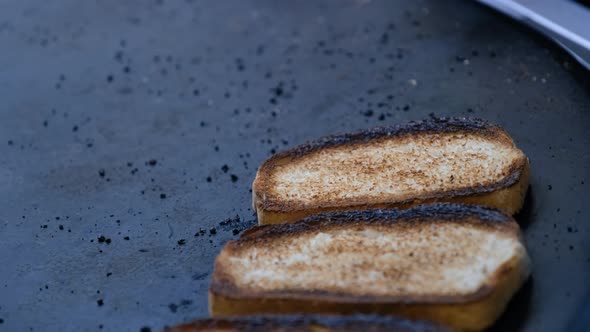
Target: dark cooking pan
column 130, row 132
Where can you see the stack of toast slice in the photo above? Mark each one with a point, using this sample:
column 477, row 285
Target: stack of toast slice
column 411, row 221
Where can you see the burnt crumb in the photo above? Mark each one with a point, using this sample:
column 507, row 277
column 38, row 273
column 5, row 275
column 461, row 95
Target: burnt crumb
column 103, row 239
column 101, row 173
column 61, row 227
column 549, row 187
column 460, row 58
column 203, row 124
column 209, row 179
column 1, row 320
column 110, row 78
column 216, row 148
column 213, row 231
column 225, row 168
column 143, row 250
column 381, row 117
column 75, row 128
column 368, row 113
column 183, row 303
column 133, row 171
column 126, row 238
column 152, row 162
column 234, row 178
column 100, row 302
column 109, row 274
column 240, row 64
column 199, row 276
column 162, row 196
column 236, row 224
column 406, row 107
column 145, row 329
column 181, row 242
column 470, row 110
column 10, row 142
column 201, row 232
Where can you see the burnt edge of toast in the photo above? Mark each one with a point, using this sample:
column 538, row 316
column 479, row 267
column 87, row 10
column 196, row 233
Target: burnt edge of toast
column 431, row 125
column 434, row 124
column 447, row 212
column 257, row 322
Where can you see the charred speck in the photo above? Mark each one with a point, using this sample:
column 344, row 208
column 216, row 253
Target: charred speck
column 368, row 113
column 213, row 231
column 201, row 232
column 225, row 168
column 235, row 231
column 181, row 242
column 200, row 276
column 234, row 178
column 209, row 179
column 145, row 329
column 110, row 78
column 75, row 128
column 10, row 142
column 103, row 239
column 278, row 91
column 406, row 107
column 162, row 196
column 549, row 187
column 381, row 117
column 100, row 302
column 126, row 238
column 109, row 274
column 61, row 227
column 101, row 173
column 152, row 162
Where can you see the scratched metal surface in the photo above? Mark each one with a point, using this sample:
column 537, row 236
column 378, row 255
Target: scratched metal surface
column 130, row 131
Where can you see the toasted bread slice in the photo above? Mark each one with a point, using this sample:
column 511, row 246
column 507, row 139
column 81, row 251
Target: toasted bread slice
column 438, row 160
column 449, row 263
column 308, row 323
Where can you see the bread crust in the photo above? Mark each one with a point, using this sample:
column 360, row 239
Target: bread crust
column 506, row 194
column 461, row 312
column 310, row 323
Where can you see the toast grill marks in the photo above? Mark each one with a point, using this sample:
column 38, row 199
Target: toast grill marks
column 434, row 158
column 310, row 323
column 417, row 255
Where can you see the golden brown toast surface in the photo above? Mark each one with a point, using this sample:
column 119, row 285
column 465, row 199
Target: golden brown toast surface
column 371, row 261
column 308, row 323
column 436, row 159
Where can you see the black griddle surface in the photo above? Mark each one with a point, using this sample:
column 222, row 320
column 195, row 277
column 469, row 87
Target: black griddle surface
column 127, row 127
